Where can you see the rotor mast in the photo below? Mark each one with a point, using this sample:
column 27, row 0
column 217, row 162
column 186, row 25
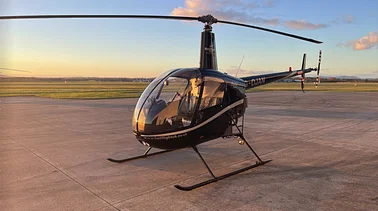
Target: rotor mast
column 208, row 58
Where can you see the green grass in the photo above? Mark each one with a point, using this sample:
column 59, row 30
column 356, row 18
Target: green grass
column 106, row 90
column 73, row 90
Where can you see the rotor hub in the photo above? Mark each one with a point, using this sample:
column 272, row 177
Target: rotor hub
column 207, row 19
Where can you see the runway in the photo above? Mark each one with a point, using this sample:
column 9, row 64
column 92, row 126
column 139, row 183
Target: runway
column 324, row 148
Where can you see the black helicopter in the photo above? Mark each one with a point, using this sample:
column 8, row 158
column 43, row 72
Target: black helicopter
column 188, row 106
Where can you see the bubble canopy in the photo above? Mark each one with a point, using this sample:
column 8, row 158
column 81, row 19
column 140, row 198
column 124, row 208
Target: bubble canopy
column 169, row 102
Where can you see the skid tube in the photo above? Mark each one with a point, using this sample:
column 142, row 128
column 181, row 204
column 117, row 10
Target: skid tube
column 138, row 157
column 215, row 179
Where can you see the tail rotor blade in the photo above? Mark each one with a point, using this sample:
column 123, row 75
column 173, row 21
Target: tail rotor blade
column 318, row 70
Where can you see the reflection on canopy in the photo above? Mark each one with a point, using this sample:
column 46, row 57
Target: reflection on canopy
column 170, row 102
column 213, row 92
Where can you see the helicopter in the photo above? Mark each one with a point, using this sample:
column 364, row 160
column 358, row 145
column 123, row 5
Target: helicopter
column 184, row 107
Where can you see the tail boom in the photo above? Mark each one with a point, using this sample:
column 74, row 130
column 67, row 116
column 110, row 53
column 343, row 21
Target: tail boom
column 259, row 80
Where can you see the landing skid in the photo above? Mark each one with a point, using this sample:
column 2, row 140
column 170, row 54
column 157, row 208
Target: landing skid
column 215, row 179
column 138, row 157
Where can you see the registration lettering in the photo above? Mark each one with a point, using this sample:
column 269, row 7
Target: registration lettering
column 256, row 82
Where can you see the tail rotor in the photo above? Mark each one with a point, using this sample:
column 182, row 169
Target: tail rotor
column 318, row 70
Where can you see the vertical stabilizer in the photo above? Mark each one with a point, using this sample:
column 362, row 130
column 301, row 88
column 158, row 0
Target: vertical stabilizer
column 303, row 73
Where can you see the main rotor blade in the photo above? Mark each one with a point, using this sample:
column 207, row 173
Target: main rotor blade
column 209, row 19
column 11, row 17
column 272, row 31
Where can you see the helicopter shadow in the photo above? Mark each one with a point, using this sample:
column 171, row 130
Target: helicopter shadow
column 218, row 154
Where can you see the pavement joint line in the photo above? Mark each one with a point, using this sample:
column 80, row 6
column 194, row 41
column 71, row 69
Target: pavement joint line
column 363, row 176
column 360, row 202
column 100, row 208
column 30, row 178
column 64, row 173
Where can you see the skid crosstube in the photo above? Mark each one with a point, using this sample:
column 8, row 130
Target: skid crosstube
column 138, row 157
column 215, row 179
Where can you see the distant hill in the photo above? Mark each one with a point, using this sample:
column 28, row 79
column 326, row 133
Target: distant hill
column 348, row 77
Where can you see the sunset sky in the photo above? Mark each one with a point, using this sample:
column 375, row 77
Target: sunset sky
column 145, row 48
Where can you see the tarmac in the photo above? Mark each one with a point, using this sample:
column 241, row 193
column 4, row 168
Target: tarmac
column 324, row 147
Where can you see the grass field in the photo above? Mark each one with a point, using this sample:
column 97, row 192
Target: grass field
column 105, row 90
column 72, row 90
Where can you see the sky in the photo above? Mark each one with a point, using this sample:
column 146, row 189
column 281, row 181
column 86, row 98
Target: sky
column 146, row 48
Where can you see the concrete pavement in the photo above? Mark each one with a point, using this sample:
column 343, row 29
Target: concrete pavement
column 324, row 148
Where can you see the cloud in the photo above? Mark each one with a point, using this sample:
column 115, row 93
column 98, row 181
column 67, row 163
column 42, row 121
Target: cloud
column 240, row 11
column 3, row 68
column 340, row 44
column 348, row 19
column 364, row 43
column 236, row 10
column 368, row 75
column 345, row 44
column 303, row 25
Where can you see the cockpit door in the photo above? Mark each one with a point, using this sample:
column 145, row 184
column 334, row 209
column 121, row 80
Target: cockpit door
column 171, row 104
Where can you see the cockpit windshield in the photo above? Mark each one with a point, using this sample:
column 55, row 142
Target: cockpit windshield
column 170, row 104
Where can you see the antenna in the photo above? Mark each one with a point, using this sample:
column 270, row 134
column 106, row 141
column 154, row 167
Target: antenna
column 236, row 75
